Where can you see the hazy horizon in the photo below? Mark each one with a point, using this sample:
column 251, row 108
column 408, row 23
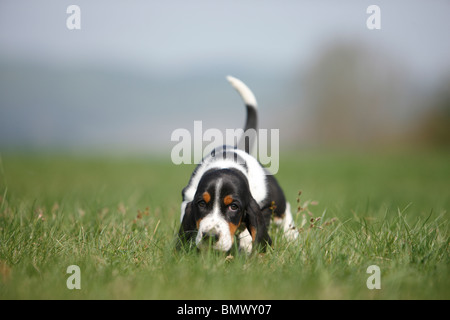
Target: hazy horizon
column 136, row 71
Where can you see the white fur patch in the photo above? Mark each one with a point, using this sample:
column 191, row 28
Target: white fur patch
column 256, row 177
column 246, row 94
column 290, row 231
column 245, row 241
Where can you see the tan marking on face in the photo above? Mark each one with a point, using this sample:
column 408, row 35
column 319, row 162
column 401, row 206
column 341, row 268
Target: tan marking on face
column 198, row 222
column 206, row 196
column 228, row 200
column 253, row 233
column 233, row 227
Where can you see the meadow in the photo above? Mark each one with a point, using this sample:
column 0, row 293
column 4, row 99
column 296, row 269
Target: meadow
column 117, row 218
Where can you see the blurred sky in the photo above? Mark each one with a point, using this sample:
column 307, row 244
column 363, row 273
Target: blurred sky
column 137, row 70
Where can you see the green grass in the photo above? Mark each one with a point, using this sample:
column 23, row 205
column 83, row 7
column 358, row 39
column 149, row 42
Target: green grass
column 117, row 219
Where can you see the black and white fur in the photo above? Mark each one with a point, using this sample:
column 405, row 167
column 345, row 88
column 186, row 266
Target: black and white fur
column 230, row 195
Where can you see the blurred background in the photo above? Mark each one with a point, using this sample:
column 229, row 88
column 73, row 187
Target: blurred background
column 138, row 70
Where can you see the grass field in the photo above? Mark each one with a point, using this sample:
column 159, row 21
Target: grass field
column 117, row 218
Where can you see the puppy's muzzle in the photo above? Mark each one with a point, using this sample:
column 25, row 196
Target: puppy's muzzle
column 210, row 237
column 214, row 233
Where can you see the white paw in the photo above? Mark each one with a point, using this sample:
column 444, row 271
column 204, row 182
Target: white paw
column 291, row 234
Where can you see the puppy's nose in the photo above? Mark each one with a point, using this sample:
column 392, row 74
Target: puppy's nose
column 210, row 237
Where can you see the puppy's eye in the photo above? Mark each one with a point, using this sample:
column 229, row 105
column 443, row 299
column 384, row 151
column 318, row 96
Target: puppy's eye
column 201, row 204
column 233, row 207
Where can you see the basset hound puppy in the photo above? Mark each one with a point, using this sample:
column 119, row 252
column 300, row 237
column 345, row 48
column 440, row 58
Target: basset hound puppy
column 231, row 196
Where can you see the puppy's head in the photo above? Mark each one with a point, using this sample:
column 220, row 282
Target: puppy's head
column 221, row 204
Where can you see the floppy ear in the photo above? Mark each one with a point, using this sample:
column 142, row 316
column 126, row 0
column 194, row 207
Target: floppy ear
column 254, row 221
column 188, row 226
